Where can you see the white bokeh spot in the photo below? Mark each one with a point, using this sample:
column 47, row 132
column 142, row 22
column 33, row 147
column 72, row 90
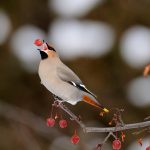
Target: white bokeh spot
column 22, row 46
column 135, row 46
column 138, row 92
column 75, row 8
column 5, row 26
column 74, row 39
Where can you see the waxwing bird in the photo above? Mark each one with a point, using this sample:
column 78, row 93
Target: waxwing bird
column 61, row 80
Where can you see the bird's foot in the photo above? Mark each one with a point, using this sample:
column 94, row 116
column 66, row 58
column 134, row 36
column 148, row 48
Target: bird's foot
column 57, row 101
column 56, row 98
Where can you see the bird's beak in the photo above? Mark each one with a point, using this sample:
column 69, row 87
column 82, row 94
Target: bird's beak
column 45, row 48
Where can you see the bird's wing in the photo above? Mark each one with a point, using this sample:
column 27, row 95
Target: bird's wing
column 67, row 75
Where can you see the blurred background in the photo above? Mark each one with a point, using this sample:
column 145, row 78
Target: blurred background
column 106, row 42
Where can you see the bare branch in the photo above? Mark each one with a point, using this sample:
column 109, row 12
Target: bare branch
column 105, row 129
column 37, row 124
column 107, row 137
column 114, row 129
column 72, row 115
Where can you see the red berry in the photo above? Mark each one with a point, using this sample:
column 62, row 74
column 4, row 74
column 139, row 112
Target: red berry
column 148, row 148
column 116, row 144
column 38, row 42
column 63, row 123
column 75, row 139
column 50, row 122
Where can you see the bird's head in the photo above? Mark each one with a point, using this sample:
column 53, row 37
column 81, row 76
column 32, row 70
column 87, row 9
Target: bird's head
column 46, row 50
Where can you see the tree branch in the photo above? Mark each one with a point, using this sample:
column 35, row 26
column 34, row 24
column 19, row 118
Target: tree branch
column 103, row 129
column 72, row 115
column 114, row 129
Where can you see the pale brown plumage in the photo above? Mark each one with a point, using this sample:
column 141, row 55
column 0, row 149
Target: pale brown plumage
column 62, row 81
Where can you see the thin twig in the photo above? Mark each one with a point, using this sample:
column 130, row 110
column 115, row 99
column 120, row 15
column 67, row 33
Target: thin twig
column 114, row 129
column 72, row 115
column 36, row 123
column 106, row 138
column 105, row 129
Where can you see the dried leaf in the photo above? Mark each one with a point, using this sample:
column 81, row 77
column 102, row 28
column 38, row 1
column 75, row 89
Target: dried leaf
column 56, row 116
column 122, row 136
column 140, row 141
column 110, row 123
column 146, row 70
column 101, row 114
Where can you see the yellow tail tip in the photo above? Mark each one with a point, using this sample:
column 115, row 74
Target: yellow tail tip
column 106, row 110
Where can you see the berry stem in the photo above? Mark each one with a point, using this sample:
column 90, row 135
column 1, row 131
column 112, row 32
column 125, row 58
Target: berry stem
column 52, row 111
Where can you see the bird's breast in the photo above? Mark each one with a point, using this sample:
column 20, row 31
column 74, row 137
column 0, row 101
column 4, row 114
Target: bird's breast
column 55, row 85
column 47, row 74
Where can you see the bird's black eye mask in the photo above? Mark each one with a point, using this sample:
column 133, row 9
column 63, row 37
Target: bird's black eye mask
column 50, row 48
column 43, row 54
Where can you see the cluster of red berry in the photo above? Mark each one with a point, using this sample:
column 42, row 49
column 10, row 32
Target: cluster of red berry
column 62, row 124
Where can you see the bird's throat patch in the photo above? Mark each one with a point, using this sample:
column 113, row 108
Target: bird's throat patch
column 43, row 55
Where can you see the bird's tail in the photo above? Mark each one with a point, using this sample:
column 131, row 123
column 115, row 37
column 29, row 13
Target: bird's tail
column 92, row 102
